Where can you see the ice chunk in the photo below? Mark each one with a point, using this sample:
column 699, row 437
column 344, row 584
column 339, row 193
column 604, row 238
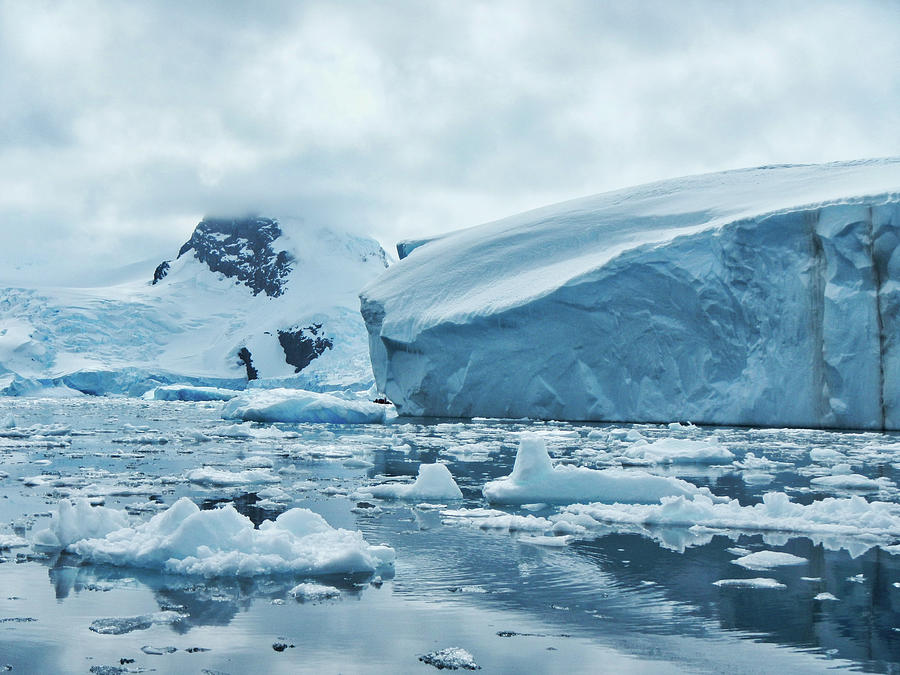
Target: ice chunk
column 451, row 658
column 656, row 303
column 298, row 405
column 765, row 560
column 824, row 596
column 488, row 519
column 219, row 478
column 830, row 517
column 433, row 482
column 158, row 651
column 852, row 481
column 221, row 542
column 310, row 592
column 128, row 624
column 759, row 582
column 535, row 479
column 70, row 523
column 826, row 455
column 678, row 451
column 12, row 541
column 186, row 392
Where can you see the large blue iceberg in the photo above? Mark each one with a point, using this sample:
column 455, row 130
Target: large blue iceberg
column 763, row 297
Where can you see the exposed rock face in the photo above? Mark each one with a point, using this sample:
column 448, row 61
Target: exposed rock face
column 242, row 248
column 302, row 345
column 765, row 297
column 247, row 360
column 160, row 272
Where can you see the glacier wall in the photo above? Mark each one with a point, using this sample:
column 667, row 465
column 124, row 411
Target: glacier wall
column 785, row 318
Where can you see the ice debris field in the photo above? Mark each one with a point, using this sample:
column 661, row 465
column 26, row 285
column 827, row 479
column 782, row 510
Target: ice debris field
column 146, row 508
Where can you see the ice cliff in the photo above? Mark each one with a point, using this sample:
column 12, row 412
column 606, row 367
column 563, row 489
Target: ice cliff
column 252, row 296
column 766, row 296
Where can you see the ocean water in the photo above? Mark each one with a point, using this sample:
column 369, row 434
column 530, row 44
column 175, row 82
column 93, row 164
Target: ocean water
column 622, row 598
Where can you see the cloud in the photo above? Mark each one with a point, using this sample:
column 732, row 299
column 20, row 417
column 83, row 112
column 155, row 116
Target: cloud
column 121, row 124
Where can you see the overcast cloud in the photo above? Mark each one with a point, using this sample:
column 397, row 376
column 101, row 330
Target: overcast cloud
column 122, row 123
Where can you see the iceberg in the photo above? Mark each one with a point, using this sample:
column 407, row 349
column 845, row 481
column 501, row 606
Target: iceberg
column 534, row 479
column 433, row 482
column 219, row 542
column 763, row 297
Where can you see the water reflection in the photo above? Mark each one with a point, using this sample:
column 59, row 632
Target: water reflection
column 205, row 602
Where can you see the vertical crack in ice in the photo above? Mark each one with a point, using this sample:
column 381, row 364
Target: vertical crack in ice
column 876, row 274
column 818, row 270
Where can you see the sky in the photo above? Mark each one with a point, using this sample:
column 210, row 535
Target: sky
column 123, row 123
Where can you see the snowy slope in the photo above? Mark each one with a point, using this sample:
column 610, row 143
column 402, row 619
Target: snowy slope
column 763, row 296
column 283, row 290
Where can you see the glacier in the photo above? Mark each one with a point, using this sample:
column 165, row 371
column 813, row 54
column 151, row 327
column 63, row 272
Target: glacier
column 761, row 297
column 277, row 297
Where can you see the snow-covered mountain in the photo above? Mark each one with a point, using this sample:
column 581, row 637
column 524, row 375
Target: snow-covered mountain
column 244, row 297
column 766, row 296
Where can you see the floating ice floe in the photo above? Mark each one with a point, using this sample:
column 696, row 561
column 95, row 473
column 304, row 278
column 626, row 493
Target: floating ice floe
column 451, row 658
column 128, row 624
column 299, row 405
column 766, row 560
column 852, row 481
column 535, row 479
column 311, row 592
column 12, row 541
column 677, row 451
column 837, row 520
column 824, row 596
column 185, row 392
column 219, row 478
column 826, row 455
column 759, row 582
column 220, row 542
column 72, row 522
column 492, row 519
column 433, row 482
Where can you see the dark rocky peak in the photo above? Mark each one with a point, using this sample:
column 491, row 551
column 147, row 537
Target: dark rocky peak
column 302, row 345
column 242, row 249
column 161, row 271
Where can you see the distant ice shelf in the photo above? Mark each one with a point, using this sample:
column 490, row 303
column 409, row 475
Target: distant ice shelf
column 765, row 297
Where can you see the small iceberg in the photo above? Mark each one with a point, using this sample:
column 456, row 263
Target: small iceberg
column 535, row 479
column 219, row 542
column 433, row 482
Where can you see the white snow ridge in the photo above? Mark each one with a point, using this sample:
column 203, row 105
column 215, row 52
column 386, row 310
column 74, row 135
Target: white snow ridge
column 765, row 297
